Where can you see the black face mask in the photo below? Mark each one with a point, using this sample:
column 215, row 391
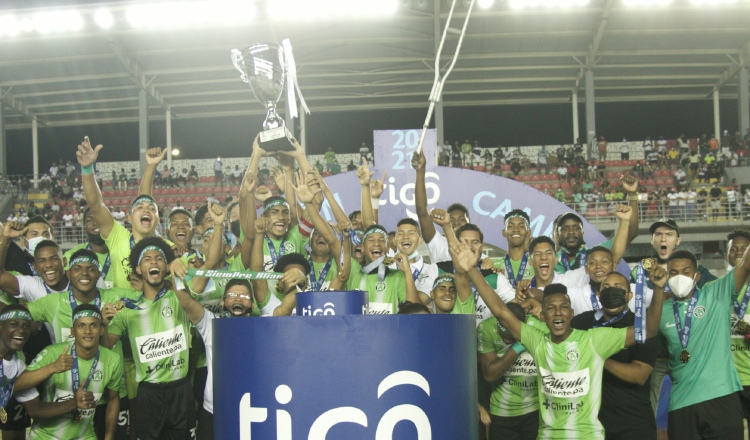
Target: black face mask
column 235, row 227
column 612, row 297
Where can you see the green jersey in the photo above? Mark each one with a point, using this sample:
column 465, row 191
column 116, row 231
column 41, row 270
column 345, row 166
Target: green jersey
column 159, row 334
column 516, row 392
column 570, row 379
column 119, row 242
column 59, row 387
column 710, row 373
column 317, row 268
column 384, row 295
column 294, row 241
column 107, row 278
column 560, row 267
column 740, row 349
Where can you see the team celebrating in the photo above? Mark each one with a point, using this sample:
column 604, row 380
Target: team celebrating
column 113, row 338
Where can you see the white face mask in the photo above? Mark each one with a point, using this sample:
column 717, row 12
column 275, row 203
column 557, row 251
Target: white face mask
column 681, row 285
column 31, row 243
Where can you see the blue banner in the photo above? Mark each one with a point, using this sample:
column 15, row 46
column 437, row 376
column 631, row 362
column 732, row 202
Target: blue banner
column 345, row 377
column 330, row 303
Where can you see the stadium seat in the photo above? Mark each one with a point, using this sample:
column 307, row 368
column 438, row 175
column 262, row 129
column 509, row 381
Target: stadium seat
column 565, row 184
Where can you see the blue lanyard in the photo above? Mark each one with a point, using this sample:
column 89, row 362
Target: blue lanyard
column 318, row 285
column 415, row 273
column 607, row 323
column 76, row 374
column 521, row 269
column 684, row 332
column 133, row 305
column 639, row 325
column 74, row 304
column 582, row 253
column 740, row 309
column 31, row 268
column 107, row 262
column 7, row 389
column 272, row 249
column 594, row 300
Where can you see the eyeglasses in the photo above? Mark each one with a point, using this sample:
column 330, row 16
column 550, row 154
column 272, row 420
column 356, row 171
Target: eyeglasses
column 240, row 295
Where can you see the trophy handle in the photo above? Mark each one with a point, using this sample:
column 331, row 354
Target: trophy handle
column 239, row 64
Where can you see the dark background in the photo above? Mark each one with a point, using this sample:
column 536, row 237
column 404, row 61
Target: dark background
column 491, row 125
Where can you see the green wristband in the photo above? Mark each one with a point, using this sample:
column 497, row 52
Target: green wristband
column 518, row 348
column 87, row 170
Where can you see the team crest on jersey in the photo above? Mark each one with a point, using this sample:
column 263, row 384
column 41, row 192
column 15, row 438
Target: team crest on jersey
column 380, row 286
column 571, row 355
column 167, row 312
column 98, row 375
column 289, row 247
column 699, row 312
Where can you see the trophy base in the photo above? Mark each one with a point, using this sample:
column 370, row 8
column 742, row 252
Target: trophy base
column 276, row 139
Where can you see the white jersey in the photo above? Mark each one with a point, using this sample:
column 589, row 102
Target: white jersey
column 12, row 369
column 205, row 329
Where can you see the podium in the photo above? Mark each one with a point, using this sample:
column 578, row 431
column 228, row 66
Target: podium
column 331, row 377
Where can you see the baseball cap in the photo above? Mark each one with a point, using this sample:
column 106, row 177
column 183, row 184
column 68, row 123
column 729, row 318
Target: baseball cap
column 667, row 222
column 566, row 216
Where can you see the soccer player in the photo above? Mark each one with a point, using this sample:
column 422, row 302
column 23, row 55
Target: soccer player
column 70, row 366
column 97, row 245
column 696, row 328
column 737, row 242
column 517, row 233
column 570, row 362
column 443, row 294
column 626, row 406
column 21, row 259
column 158, row 332
column 180, row 228
column 407, row 238
column 237, row 302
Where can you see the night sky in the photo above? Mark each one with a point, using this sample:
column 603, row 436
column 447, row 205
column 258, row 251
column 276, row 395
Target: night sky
column 490, row 125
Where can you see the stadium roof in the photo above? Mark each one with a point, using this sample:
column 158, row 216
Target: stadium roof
column 535, row 55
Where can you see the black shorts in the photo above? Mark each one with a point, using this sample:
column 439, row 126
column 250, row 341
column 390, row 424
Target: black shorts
column 745, row 401
column 122, row 430
column 719, row 418
column 18, row 418
column 165, row 411
column 205, row 425
column 525, row 427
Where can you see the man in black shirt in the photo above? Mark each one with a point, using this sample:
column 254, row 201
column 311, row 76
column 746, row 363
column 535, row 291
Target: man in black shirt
column 715, row 194
column 626, row 406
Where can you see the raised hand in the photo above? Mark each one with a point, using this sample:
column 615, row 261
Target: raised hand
column 522, row 289
column 217, row 212
column 418, row 161
column 84, row 399
column 466, row 258
column 63, row 363
column 155, row 155
column 256, row 146
column 364, row 174
column 297, row 152
column 629, row 183
column 86, row 155
column 441, row 218
column 108, row 312
column 279, row 177
column 260, row 225
column 292, row 277
column 249, row 181
column 657, row 275
column 533, row 308
column 402, row 261
column 623, row 212
column 179, row 249
column 178, row 269
column 487, row 264
column 376, row 187
column 14, row 229
column 305, row 193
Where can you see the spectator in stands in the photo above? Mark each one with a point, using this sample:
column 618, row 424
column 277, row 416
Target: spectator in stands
column 497, row 166
column 488, row 160
column 78, row 226
column 336, row 167
column 578, row 146
column 67, row 232
column 53, row 170
column 560, row 195
column 237, row 175
column 682, row 204
column 746, row 205
column 683, row 144
column 193, row 174
column 45, row 182
column 600, row 169
column 562, row 171
column 731, row 206
column 691, row 197
column 329, row 156
column 672, row 198
column 25, row 184
column 713, row 144
column 700, row 203
column 648, row 170
column 694, row 160
column 572, row 171
column 648, row 147
column 561, row 152
column 515, row 163
column 466, row 153
column 637, row 170
column 456, row 155
column 182, row 177
column 122, row 180
column 576, row 198
column 624, row 151
column 217, row 172
column 673, row 157
column 444, row 155
column 661, row 145
column 319, row 166
column 715, row 194
column 587, row 186
column 164, row 177
column 351, row 167
column 70, row 169
column 605, row 186
column 680, row 178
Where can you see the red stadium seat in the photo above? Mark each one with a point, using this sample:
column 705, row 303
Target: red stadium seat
column 565, row 184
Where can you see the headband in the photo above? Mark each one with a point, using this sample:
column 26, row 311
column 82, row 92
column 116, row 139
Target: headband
column 375, row 231
column 518, row 215
column 142, row 198
column 15, row 314
column 84, row 259
column 270, row 203
column 87, row 314
column 151, row 248
column 443, row 279
column 227, row 241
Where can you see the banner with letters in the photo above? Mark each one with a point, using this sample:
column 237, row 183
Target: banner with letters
column 345, row 377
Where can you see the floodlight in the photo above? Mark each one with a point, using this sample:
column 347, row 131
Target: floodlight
column 485, row 4
column 175, row 152
column 104, row 19
column 26, row 24
column 9, row 26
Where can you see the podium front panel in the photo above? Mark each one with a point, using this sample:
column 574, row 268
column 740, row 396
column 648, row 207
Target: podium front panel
column 345, row 377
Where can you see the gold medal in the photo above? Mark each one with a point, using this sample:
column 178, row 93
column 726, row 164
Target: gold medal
column 647, row 263
column 685, row 356
column 3, row 416
column 119, row 305
column 388, row 261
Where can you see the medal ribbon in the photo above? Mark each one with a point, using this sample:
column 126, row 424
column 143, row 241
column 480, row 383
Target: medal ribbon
column 272, row 249
column 594, row 300
column 639, row 326
column 684, row 332
column 74, row 304
column 107, row 263
column 377, row 263
column 7, row 389
column 607, row 323
column 133, row 305
column 581, row 254
column 318, row 285
column 740, row 309
column 521, row 269
column 76, row 374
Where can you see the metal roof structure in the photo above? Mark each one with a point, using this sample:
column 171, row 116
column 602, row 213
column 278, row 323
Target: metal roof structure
column 537, row 55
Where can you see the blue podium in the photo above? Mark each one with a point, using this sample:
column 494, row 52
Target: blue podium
column 345, row 377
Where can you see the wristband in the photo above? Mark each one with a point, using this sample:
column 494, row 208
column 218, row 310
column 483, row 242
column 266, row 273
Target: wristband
column 87, row 170
column 375, row 202
column 518, row 347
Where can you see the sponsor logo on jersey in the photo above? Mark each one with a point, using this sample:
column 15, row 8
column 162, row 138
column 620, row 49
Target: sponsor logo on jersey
column 161, row 345
column 380, row 286
column 566, row 385
column 167, row 311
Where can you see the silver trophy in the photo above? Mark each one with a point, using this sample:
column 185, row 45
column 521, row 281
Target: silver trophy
column 265, row 67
